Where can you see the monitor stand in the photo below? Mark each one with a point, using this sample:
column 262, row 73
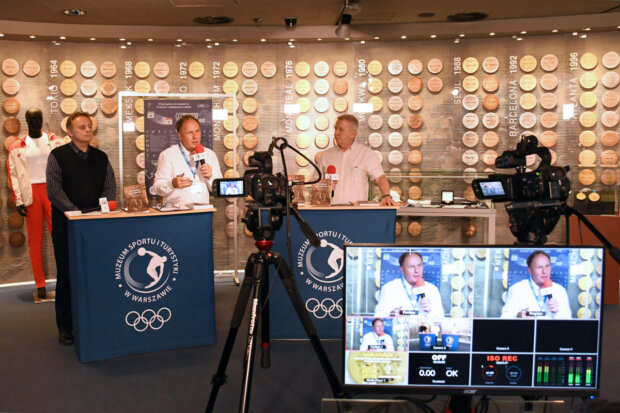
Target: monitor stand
column 460, row 404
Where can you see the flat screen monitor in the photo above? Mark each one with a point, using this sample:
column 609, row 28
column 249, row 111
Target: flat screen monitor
column 473, row 320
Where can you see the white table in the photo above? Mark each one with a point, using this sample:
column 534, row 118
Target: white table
column 446, row 211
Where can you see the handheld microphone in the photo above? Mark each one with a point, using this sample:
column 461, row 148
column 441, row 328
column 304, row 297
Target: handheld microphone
column 331, row 174
column 111, row 204
column 200, row 154
column 546, row 290
column 419, row 290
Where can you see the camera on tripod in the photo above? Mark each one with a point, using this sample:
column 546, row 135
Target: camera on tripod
column 260, row 184
column 545, row 183
column 268, row 192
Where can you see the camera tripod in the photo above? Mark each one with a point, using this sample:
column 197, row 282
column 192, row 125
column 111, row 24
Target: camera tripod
column 255, row 283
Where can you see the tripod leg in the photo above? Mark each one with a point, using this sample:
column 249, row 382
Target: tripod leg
column 265, row 359
column 242, row 300
column 291, row 288
column 259, row 275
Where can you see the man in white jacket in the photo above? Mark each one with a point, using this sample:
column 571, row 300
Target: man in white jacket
column 179, row 178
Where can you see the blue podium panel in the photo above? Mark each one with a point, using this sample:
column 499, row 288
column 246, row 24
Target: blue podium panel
column 141, row 284
column 319, row 271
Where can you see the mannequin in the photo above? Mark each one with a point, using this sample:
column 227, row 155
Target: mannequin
column 27, row 164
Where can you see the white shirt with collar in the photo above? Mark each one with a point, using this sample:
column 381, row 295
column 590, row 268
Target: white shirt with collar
column 400, row 294
column 172, row 163
column 524, row 294
column 373, row 341
column 354, row 166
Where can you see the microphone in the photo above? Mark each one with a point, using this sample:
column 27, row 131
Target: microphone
column 111, row 204
column 331, row 174
column 200, row 155
column 419, row 288
column 546, row 290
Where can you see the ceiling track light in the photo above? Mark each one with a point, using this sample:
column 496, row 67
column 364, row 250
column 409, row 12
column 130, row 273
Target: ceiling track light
column 344, row 29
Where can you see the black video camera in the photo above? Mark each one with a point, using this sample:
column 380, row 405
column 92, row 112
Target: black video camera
column 268, row 191
column 264, row 187
column 545, row 183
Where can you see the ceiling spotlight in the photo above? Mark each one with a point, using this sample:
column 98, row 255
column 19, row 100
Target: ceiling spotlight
column 519, row 38
column 74, row 12
column 403, row 37
column 344, row 29
column 575, row 33
column 93, row 38
column 63, row 37
column 209, row 46
column 216, row 43
column 149, row 40
column 462, row 35
column 492, row 34
column 257, row 19
column 376, row 37
column 587, row 29
column 123, row 46
column 32, row 36
column 262, row 40
column 347, row 38
column 122, row 39
column 1, row 34
column 235, row 40
column 207, row 40
column 523, row 32
column 319, row 39
column 128, row 43
column 433, row 36
column 362, row 41
column 457, row 40
column 583, row 36
column 554, row 31
column 352, row 7
column 290, row 22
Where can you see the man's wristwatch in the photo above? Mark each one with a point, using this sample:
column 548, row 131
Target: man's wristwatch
column 385, row 196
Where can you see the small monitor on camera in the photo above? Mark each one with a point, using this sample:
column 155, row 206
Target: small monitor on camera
column 231, row 187
column 492, row 188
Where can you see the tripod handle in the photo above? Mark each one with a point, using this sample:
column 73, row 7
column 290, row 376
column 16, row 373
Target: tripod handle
column 265, row 356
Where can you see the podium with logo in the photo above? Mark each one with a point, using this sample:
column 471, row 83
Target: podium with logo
column 141, row 282
column 319, row 270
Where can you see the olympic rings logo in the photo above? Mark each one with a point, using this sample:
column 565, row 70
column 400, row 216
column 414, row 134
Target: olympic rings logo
column 321, row 309
column 148, row 318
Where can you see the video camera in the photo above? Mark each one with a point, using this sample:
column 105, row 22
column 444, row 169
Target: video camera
column 268, row 192
column 545, row 183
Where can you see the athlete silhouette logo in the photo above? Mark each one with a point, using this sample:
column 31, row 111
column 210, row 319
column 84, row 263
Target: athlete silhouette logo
column 335, row 259
column 155, row 269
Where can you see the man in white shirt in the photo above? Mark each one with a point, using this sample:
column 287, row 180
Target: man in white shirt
column 377, row 339
column 530, row 298
column 179, row 178
column 409, row 294
column 352, row 163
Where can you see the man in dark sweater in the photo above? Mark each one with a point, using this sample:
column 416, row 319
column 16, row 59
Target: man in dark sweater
column 77, row 176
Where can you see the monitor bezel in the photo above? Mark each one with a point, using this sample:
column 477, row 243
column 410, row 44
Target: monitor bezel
column 473, row 389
